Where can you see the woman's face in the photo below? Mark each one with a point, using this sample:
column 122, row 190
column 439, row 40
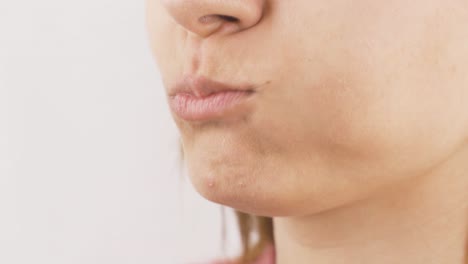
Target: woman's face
column 351, row 97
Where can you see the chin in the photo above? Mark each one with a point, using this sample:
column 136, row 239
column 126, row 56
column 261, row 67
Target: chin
column 235, row 171
column 238, row 186
column 264, row 190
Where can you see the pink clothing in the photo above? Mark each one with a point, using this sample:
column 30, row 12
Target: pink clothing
column 267, row 257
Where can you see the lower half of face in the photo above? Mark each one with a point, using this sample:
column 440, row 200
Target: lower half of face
column 351, row 101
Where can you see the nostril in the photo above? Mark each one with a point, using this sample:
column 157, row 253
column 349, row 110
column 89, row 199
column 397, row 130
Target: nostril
column 229, row 18
column 208, row 19
column 213, row 18
column 205, row 17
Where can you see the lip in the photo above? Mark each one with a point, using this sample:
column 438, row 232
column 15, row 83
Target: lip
column 202, row 99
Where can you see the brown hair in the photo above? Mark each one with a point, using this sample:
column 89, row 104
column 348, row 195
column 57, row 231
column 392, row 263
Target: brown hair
column 251, row 226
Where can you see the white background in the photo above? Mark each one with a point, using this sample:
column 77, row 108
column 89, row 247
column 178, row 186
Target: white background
column 89, row 169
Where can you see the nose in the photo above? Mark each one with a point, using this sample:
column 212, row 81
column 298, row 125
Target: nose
column 205, row 17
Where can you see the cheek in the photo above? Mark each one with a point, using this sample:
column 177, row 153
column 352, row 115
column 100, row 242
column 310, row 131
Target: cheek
column 366, row 108
column 342, row 129
column 353, row 88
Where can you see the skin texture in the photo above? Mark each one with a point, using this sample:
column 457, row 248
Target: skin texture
column 357, row 130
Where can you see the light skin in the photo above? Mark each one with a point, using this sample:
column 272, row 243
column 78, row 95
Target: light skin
column 356, row 141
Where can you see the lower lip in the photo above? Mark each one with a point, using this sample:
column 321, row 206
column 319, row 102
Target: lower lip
column 192, row 108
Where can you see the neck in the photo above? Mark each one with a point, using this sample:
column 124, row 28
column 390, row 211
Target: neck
column 425, row 221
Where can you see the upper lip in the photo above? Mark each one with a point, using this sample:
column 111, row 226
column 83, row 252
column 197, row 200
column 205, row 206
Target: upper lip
column 201, row 87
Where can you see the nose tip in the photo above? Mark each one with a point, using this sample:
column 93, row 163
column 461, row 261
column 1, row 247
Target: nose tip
column 205, row 17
